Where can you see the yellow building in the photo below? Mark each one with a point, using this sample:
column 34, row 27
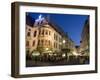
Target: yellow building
column 44, row 36
column 31, row 38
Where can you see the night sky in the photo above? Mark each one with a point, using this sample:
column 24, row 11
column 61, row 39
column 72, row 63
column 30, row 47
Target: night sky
column 72, row 24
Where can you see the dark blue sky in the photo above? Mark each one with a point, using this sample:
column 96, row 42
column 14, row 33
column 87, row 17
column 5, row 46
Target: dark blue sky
column 72, row 24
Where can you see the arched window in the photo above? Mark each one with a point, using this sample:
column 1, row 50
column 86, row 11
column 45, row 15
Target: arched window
column 46, row 32
column 38, row 42
column 40, row 32
column 49, row 42
column 45, row 42
column 35, row 32
column 49, row 32
column 54, row 45
column 54, row 36
column 42, row 42
column 43, row 32
column 28, row 34
column 29, row 29
column 33, row 42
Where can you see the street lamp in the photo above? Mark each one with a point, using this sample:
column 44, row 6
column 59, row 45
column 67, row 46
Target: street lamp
column 64, row 41
column 47, row 48
column 63, row 55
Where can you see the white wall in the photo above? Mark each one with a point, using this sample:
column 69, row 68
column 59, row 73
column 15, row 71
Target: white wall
column 5, row 40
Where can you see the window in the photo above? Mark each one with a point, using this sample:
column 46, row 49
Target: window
column 42, row 42
column 54, row 36
column 49, row 42
column 59, row 39
column 46, row 42
column 34, row 43
column 35, row 33
column 42, row 32
column 38, row 42
column 46, row 32
column 39, row 32
column 27, row 43
column 49, row 32
column 28, row 34
column 59, row 46
column 29, row 29
column 54, row 44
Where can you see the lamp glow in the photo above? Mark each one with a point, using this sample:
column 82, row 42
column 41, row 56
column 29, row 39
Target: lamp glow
column 64, row 41
column 47, row 49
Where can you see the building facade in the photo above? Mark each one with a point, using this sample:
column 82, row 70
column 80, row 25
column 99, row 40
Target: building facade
column 78, row 49
column 45, row 37
column 68, row 44
column 84, row 46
